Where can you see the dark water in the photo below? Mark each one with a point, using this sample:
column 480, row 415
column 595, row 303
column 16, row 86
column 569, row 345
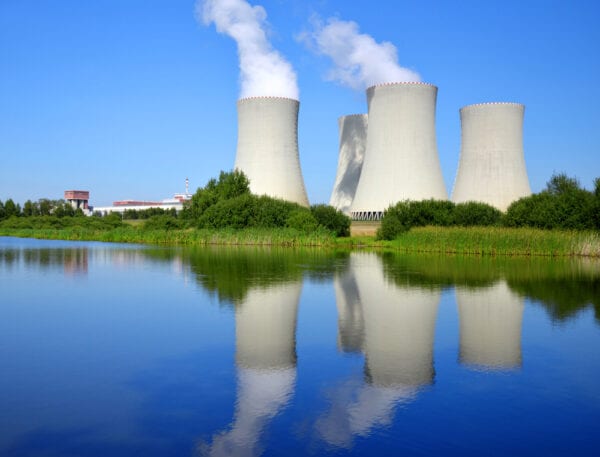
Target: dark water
column 113, row 350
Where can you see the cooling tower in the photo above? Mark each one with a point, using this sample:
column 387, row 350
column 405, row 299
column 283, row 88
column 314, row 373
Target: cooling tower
column 267, row 148
column 490, row 327
column 399, row 327
column 353, row 142
column 491, row 168
column 265, row 327
column 401, row 161
column 351, row 326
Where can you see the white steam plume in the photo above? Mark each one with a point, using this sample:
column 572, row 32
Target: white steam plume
column 263, row 71
column 360, row 61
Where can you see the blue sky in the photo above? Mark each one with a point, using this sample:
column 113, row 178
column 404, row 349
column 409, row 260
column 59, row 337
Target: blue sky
column 127, row 98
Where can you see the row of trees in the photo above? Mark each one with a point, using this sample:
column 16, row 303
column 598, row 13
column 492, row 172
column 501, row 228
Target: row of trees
column 563, row 204
column 42, row 207
column 227, row 202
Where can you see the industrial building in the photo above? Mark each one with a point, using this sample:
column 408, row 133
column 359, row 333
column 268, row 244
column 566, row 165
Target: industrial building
column 401, row 160
column 267, row 147
column 353, row 143
column 491, row 167
column 121, row 206
column 78, row 199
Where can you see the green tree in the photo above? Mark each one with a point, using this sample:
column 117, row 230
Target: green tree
column 45, row 206
column 2, row 211
column 10, row 209
column 229, row 185
column 331, row 219
column 30, row 209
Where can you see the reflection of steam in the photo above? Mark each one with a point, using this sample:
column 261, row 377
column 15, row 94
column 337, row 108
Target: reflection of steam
column 490, row 326
column 399, row 325
column 266, row 359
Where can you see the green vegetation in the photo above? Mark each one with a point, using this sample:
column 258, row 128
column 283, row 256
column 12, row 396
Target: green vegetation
column 225, row 212
column 563, row 205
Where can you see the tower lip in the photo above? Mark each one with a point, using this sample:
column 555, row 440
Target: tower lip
column 478, row 105
column 266, row 97
column 353, row 115
column 402, row 83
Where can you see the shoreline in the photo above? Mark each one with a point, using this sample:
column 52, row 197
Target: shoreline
column 481, row 241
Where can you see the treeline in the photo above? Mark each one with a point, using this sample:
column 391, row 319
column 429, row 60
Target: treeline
column 42, row 207
column 224, row 203
column 227, row 202
column 563, row 204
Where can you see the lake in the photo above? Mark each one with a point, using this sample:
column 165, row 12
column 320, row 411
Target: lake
column 121, row 350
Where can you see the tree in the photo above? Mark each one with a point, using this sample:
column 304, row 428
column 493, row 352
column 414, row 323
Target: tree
column 229, row 185
column 45, row 206
column 2, row 211
column 30, row 209
column 10, row 209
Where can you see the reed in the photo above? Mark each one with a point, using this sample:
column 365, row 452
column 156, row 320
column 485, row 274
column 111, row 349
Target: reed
column 488, row 241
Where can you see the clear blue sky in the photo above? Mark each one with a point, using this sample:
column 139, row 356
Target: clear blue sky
column 126, row 98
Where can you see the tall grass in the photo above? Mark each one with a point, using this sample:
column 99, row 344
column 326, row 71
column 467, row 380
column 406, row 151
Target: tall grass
column 490, row 241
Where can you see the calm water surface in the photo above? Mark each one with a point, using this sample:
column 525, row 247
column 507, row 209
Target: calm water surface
column 114, row 350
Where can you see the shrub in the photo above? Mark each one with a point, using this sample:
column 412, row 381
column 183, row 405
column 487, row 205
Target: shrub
column 162, row 222
column 331, row 219
column 562, row 205
column 229, row 185
column 303, row 220
column 476, row 213
column 235, row 213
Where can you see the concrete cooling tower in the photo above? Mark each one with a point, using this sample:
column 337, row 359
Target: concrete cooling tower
column 401, row 161
column 353, row 142
column 267, row 148
column 490, row 327
column 265, row 327
column 266, row 366
column 351, row 325
column 491, row 168
column 399, row 327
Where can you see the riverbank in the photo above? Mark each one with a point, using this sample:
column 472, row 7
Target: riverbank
column 490, row 241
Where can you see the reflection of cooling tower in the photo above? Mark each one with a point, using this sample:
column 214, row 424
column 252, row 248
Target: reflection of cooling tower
column 492, row 164
column 351, row 326
column 399, row 327
column 490, row 326
column 401, row 161
column 266, row 358
column 353, row 141
column 266, row 327
column 267, row 149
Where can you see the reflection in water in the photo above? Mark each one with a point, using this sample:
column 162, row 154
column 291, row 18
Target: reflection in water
column 266, row 361
column 399, row 325
column 490, row 326
column 351, row 326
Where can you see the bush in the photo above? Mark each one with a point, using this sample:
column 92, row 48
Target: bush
column 475, row 213
column 303, row 220
column 235, row 213
column 330, row 218
column 562, row 205
column 229, row 185
column 162, row 222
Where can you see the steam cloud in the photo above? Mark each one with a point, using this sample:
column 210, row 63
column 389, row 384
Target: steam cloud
column 263, row 70
column 360, row 61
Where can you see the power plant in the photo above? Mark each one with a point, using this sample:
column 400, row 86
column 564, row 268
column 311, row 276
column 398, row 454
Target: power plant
column 492, row 163
column 267, row 147
column 401, row 160
column 353, row 143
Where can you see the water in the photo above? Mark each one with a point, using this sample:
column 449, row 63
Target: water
column 117, row 350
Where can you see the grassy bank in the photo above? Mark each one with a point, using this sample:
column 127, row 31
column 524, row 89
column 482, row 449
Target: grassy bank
column 447, row 240
column 489, row 241
column 183, row 237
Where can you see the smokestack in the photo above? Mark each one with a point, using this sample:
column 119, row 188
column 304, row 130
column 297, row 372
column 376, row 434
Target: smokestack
column 267, row 147
column 492, row 167
column 353, row 142
column 402, row 160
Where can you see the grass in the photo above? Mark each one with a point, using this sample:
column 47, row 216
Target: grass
column 488, row 241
